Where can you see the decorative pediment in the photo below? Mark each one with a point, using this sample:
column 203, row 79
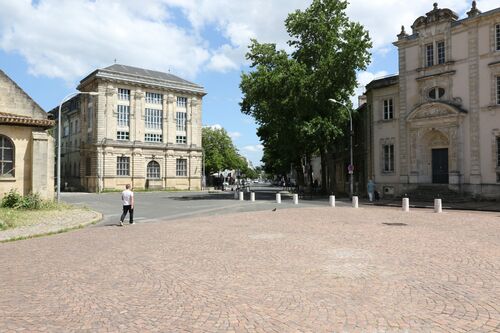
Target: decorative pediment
column 434, row 16
column 434, row 110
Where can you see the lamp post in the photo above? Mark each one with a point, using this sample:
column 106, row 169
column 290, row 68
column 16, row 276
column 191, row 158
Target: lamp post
column 351, row 166
column 91, row 93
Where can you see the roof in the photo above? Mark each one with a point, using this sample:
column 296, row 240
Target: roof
column 13, row 119
column 383, row 82
column 144, row 76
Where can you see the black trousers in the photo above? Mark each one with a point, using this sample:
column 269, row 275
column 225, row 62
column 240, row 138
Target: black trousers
column 130, row 210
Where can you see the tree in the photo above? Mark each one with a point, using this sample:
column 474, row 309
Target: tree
column 288, row 94
column 220, row 152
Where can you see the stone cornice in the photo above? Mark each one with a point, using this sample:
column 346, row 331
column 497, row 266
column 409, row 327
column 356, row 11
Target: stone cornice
column 144, row 145
column 424, row 77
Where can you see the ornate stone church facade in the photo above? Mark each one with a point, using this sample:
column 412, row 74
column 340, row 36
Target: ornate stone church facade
column 438, row 121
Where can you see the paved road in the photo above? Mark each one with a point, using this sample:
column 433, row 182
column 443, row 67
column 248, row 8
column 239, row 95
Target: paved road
column 292, row 270
column 155, row 206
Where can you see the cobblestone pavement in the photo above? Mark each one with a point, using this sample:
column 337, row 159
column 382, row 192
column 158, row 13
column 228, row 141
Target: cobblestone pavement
column 296, row 270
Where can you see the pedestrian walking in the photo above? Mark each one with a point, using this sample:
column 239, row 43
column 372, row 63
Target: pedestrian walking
column 128, row 205
column 370, row 187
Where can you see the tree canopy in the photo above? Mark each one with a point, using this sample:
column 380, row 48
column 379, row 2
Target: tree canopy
column 220, row 152
column 288, row 93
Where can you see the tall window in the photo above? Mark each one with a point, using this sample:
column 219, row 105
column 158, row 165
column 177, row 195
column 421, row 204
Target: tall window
column 124, row 94
column 429, row 52
column 388, row 158
column 497, row 34
column 388, row 109
column 152, row 118
column 181, row 102
column 6, row 157
column 498, row 151
column 498, row 90
column 153, row 170
column 181, row 167
column 123, row 166
column 123, row 115
column 441, row 53
column 90, row 111
column 88, row 164
column 181, row 121
column 154, row 98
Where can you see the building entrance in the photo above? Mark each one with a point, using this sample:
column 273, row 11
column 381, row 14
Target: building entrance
column 440, row 166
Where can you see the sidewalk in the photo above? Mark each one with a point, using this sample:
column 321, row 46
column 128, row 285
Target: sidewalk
column 71, row 219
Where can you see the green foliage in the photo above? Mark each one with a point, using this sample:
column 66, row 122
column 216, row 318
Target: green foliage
column 31, row 201
column 220, row 152
column 288, row 94
column 11, row 199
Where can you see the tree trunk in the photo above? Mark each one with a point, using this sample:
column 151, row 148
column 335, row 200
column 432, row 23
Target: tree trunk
column 324, row 163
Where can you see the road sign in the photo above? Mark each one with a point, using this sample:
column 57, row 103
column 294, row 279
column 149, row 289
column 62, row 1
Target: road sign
column 350, row 169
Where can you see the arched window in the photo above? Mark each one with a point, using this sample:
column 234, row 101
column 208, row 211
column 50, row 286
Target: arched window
column 7, row 157
column 153, row 170
column 436, row 93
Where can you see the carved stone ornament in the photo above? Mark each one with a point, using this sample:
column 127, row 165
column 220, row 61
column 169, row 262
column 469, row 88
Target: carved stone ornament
column 435, row 15
column 430, row 113
column 473, row 11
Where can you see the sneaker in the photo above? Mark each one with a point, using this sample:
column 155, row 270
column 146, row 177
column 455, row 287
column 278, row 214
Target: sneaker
column 121, row 223
column 131, row 222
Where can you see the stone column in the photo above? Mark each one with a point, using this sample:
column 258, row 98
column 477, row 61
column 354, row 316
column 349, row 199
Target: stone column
column 40, row 168
column 136, row 117
column 171, row 119
column 403, row 153
column 475, row 157
column 109, row 113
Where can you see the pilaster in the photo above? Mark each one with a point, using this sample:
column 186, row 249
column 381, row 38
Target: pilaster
column 475, row 157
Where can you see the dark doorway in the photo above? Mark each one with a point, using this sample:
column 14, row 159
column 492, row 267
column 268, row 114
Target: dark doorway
column 440, row 166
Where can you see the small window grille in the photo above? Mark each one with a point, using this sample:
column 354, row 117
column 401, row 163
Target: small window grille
column 441, row 53
column 181, row 102
column 181, row 167
column 429, row 55
column 123, row 166
column 154, row 98
column 152, row 137
column 153, row 170
column 124, row 94
column 122, row 135
column 180, row 139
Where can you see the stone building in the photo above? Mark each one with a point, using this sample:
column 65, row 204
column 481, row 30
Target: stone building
column 143, row 128
column 438, row 121
column 26, row 148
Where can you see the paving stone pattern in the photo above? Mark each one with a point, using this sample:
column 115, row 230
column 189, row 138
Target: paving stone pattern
column 297, row 270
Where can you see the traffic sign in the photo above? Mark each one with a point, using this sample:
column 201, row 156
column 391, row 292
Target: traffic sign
column 350, row 169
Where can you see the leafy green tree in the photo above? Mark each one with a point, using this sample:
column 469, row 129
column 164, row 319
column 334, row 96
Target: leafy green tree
column 220, row 152
column 288, row 94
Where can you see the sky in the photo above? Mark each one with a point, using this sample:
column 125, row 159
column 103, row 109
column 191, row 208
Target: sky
column 48, row 46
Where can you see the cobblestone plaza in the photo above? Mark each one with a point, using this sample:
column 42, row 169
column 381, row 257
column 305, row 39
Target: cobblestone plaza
column 291, row 270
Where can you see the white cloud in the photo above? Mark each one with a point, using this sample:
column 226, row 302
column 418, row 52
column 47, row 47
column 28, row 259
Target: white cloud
column 363, row 79
column 234, row 135
column 253, row 148
column 214, row 126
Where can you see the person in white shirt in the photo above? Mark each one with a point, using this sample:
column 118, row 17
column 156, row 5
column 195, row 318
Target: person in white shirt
column 128, row 204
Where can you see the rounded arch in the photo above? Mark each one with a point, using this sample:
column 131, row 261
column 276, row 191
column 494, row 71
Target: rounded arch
column 434, row 138
column 7, row 156
column 153, row 170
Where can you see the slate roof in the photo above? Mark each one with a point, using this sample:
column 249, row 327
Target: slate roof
column 146, row 76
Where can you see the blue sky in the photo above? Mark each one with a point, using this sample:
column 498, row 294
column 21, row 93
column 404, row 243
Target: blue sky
column 47, row 46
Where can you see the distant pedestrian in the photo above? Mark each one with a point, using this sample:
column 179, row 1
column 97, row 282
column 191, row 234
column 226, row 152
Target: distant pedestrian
column 371, row 189
column 128, row 205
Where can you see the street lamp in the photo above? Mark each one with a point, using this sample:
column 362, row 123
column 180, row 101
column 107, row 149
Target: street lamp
column 351, row 166
column 91, row 93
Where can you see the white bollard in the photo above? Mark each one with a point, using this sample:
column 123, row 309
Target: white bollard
column 252, row 196
column 332, row 201
column 438, row 206
column 241, row 196
column 295, row 199
column 354, row 202
column 278, row 198
column 406, row 204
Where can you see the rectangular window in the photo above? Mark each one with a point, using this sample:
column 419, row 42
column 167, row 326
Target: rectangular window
column 181, row 167
column 388, row 109
column 181, row 121
column 65, row 129
column 123, row 166
column 498, row 151
column 441, row 53
column 122, row 135
column 181, row 102
column 388, row 158
column 498, row 90
column 152, row 137
column 154, row 98
column 180, row 139
column 123, row 115
column 124, row 94
column 6, row 157
column 152, row 119
column 90, row 111
column 497, row 34
column 429, row 52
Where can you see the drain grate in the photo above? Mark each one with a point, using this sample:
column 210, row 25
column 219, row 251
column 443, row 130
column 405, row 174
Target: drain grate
column 395, row 224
